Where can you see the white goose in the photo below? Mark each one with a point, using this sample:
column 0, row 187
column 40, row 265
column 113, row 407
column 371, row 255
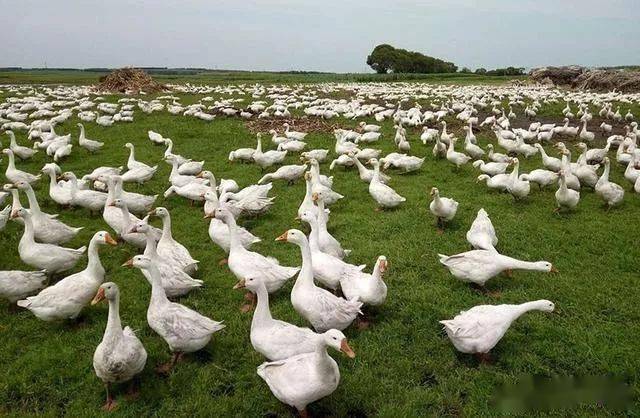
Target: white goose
column 443, row 208
column 67, row 298
column 610, row 192
column 497, row 157
column 479, row 329
column 269, row 158
column 478, row 266
column 550, row 163
column 491, row 168
column 13, row 174
column 327, row 269
column 24, row 153
column 482, row 234
column 169, row 248
column 219, row 232
column 306, row 378
column 318, row 306
column 295, row 135
column 290, row 173
column 58, row 192
column 366, row 174
column 120, row 355
column 565, row 197
column 519, row 188
column 245, row 264
column 88, row 144
column 128, row 221
column 369, row 289
column 183, row 329
column 455, row 157
column 86, row 198
column 384, row 195
column 16, row 285
column 47, row 229
column 274, row 339
column 175, row 281
column 132, row 163
column 327, row 243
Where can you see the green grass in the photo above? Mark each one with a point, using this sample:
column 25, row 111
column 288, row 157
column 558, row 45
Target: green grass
column 222, row 77
column 405, row 365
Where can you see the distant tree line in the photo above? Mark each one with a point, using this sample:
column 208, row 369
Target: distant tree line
column 385, row 58
column 498, row 71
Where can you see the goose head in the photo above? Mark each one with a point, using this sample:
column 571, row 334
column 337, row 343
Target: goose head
column 294, row 236
column 21, row 213
column 336, row 339
column 108, row 291
column 434, row 192
column 103, row 238
column 141, row 226
column 382, row 264
column 160, row 212
column 139, row 262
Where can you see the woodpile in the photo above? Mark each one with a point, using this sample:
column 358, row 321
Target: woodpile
column 129, row 80
column 584, row 79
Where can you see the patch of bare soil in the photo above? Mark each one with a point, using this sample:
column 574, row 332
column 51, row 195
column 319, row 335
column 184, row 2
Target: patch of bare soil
column 302, row 124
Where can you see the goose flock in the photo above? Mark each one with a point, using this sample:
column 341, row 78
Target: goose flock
column 327, row 291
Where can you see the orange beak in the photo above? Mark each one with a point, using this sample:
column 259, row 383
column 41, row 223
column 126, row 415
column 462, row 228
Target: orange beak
column 282, row 237
column 14, row 215
column 344, row 347
column 98, row 297
column 240, row 285
column 128, row 263
column 199, row 175
column 554, row 269
column 384, row 266
column 207, row 216
column 109, row 240
column 314, row 197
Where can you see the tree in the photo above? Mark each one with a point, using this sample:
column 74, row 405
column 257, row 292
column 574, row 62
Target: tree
column 481, row 71
column 381, row 58
column 385, row 58
column 465, row 70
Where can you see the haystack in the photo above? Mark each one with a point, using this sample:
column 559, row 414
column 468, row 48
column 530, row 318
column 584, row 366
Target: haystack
column 129, row 80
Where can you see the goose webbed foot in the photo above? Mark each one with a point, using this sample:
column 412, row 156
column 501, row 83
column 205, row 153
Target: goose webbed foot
column 133, row 392
column 110, row 404
column 362, row 323
column 484, row 358
column 223, row 262
column 166, row 368
column 251, row 302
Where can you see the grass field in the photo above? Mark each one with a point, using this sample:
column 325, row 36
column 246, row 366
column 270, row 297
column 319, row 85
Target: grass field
column 405, row 365
column 223, row 77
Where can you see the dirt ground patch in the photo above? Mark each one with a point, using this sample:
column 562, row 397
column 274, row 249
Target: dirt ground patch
column 302, row 124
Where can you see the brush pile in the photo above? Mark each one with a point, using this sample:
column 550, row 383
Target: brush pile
column 129, row 80
column 584, row 79
column 624, row 81
column 558, row 76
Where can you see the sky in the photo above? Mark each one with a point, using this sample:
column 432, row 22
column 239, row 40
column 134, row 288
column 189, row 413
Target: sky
column 318, row 35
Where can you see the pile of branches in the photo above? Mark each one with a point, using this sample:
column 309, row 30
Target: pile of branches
column 581, row 78
column 558, row 76
column 129, row 79
column 607, row 80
